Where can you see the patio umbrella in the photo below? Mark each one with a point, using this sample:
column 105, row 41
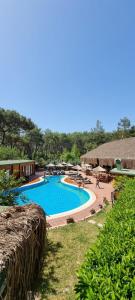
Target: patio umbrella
column 69, row 165
column 64, row 163
column 77, row 167
column 99, row 169
column 50, row 165
column 59, row 166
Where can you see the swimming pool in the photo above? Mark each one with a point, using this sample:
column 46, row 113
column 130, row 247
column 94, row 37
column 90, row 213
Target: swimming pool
column 54, row 196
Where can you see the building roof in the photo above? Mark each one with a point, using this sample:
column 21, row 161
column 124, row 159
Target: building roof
column 14, row 162
column 123, row 149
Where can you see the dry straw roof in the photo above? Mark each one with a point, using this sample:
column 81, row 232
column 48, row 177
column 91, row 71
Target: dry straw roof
column 22, row 235
column 123, row 149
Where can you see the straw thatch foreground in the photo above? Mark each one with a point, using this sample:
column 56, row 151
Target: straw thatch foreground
column 22, row 240
column 106, row 154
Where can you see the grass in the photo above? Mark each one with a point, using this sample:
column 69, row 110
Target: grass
column 66, row 251
column 3, row 208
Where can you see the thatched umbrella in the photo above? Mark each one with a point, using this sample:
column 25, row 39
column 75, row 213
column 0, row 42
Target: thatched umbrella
column 64, row 163
column 59, row 166
column 50, row 165
column 77, row 167
column 99, row 169
column 69, row 165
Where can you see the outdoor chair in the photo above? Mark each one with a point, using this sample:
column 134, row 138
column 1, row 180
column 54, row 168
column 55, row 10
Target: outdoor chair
column 87, row 181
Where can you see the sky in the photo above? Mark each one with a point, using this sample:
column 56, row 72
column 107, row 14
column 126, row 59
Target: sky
column 67, row 63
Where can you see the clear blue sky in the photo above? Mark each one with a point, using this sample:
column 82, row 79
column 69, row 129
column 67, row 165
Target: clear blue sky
column 67, row 63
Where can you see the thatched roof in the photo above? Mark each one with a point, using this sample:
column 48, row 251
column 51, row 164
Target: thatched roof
column 106, row 154
column 22, row 235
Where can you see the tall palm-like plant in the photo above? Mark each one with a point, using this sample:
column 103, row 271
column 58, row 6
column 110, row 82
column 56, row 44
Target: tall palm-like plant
column 8, row 189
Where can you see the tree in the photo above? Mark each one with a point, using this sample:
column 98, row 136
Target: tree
column 32, row 142
column 99, row 127
column 20, row 133
column 75, row 154
column 132, row 130
column 123, row 129
column 72, row 156
column 12, row 123
column 53, row 145
column 66, row 156
column 124, row 124
column 8, row 189
column 11, row 153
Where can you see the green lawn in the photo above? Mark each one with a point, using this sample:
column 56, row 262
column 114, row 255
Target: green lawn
column 100, row 217
column 66, row 251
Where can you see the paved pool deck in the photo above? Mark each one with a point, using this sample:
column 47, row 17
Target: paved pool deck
column 103, row 192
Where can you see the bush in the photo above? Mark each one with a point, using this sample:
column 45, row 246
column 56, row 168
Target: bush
column 100, row 206
column 108, row 272
column 8, row 189
column 70, row 220
column 105, row 201
column 119, row 182
column 92, row 211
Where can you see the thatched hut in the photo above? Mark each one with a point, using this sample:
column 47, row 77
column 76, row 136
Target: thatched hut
column 22, row 240
column 107, row 154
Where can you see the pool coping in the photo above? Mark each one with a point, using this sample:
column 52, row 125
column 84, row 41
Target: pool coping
column 41, row 179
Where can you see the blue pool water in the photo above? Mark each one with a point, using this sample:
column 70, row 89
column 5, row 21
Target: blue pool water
column 54, row 197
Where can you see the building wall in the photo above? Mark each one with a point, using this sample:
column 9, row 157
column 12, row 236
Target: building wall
column 25, row 169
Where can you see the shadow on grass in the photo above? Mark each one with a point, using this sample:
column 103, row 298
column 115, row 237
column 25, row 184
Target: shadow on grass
column 45, row 284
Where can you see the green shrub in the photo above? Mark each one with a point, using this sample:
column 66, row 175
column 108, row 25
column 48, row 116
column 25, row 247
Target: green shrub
column 109, row 269
column 105, row 201
column 8, row 189
column 119, row 182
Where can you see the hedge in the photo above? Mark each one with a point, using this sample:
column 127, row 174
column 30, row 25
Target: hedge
column 109, row 269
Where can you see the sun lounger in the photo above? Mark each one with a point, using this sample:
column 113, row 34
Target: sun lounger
column 87, row 181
